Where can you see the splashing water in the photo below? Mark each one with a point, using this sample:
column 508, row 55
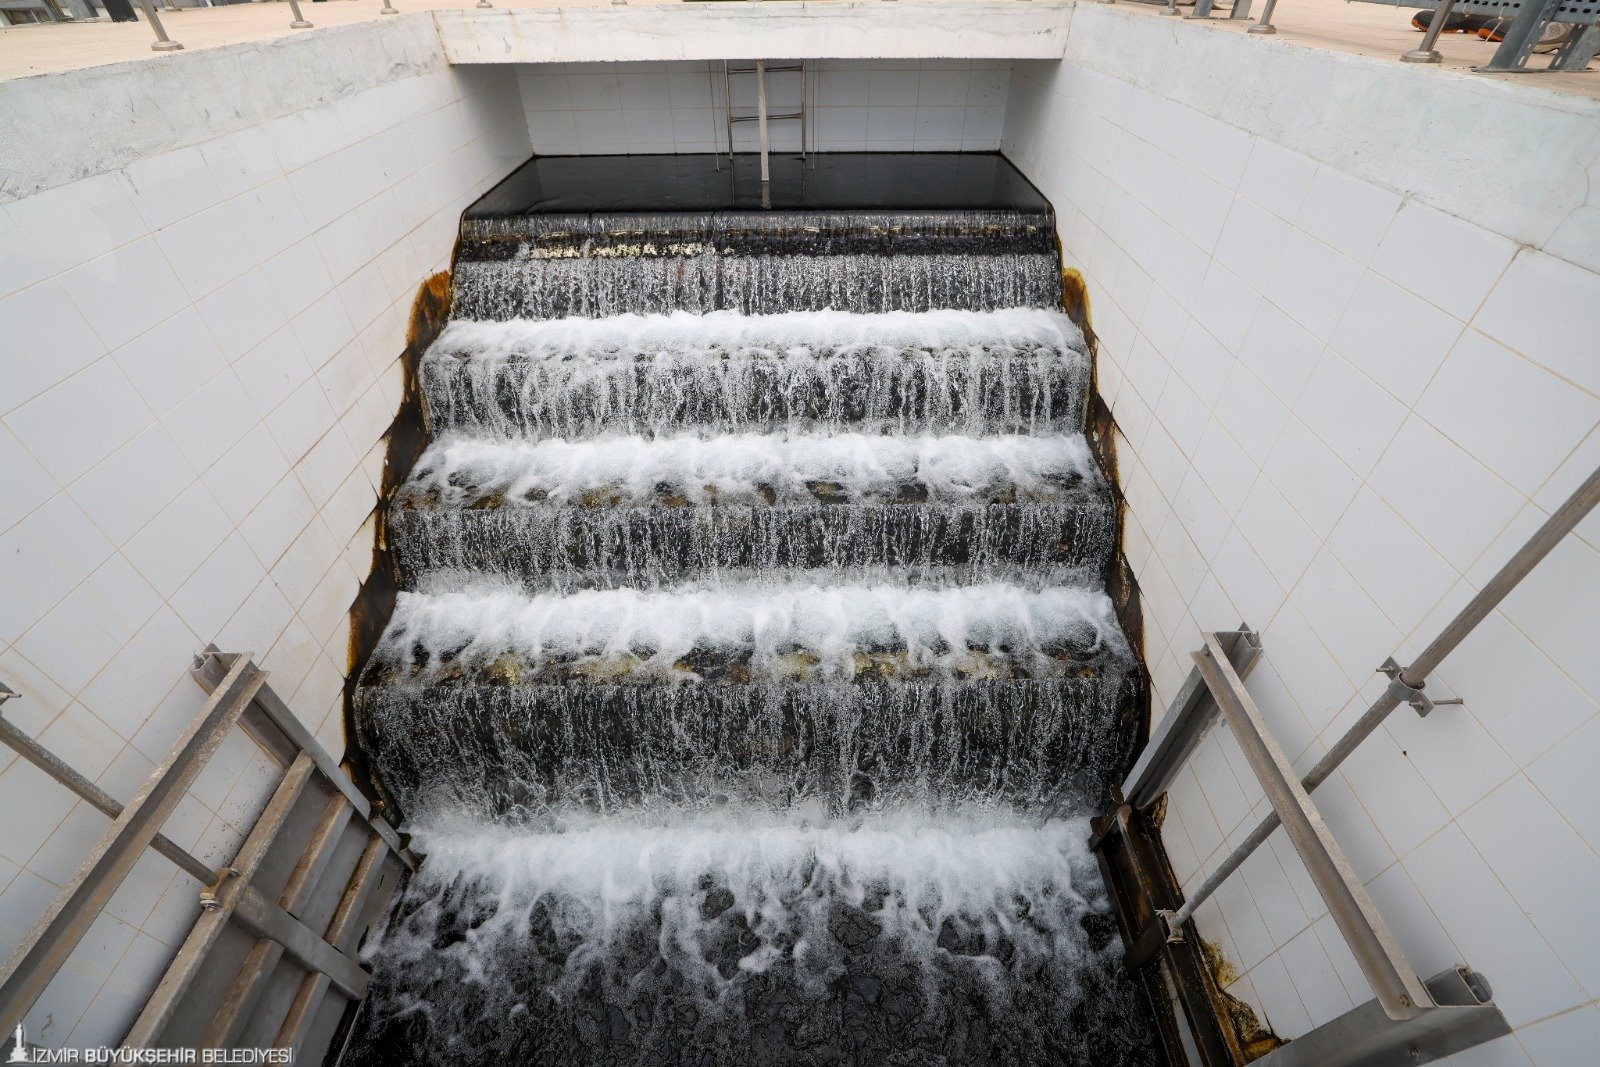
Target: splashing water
column 757, row 937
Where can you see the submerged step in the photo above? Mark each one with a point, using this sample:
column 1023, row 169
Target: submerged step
column 945, row 371
column 753, row 284
column 748, row 936
column 674, row 506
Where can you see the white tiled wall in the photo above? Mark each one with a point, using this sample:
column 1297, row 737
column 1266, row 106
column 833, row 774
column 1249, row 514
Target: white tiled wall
column 1341, row 410
column 858, row 105
column 200, row 353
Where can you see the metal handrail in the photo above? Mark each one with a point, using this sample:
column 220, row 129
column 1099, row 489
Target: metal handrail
column 1406, row 684
column 1451, row 1011
column 276, row 919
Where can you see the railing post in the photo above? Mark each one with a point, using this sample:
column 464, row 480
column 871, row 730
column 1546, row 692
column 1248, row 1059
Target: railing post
column 299, row 22
column 387, row 9
column 1264, row 24
column 1428, row 53
column 162, row 43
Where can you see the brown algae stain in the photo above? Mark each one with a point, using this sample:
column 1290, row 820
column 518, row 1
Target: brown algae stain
column 1101, row 431
column 1255, row 1038
column 405, row 439
column 1075, row 298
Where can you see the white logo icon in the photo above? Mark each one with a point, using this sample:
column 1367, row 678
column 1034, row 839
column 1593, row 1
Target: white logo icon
column 19, row 1050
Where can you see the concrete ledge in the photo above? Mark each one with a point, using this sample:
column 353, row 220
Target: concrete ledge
column 1514, row 158
column 878, row 29
column 57, row 128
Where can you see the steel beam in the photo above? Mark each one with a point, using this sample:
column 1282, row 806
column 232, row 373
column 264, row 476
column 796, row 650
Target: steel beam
column 1579, row 50
column 52, row 939
column 55, row 767
column 1463, row 1015
column 1376, row 951
column 1517, row 46
column 1184, row 725
column 1175, row 975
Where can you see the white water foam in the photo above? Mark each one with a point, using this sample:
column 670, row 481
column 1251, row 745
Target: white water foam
column 768, row 619
column 784, row 872
column 735, row 468
column 728, row 333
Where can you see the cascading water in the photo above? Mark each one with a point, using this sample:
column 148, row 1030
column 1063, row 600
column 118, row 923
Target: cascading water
column 754, row 666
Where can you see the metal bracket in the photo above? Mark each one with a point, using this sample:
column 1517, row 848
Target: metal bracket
column 1413, row 695
column 210, row 896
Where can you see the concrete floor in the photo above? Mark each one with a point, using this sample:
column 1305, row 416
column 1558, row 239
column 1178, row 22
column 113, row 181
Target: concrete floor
column 1337, row 25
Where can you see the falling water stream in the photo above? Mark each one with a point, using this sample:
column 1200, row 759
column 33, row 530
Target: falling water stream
column 754, row 670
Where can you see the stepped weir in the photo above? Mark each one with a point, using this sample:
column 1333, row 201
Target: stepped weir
column 754, row 670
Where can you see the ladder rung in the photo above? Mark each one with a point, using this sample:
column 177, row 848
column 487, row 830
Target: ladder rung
column 770, row 118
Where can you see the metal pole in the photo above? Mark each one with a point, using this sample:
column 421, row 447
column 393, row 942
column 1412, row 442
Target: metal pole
column 1428, row 53
column 299, row 22
column 761, row 110
column 1407, row 685
column 387, row 9
column 1264, row 23
column 162, row 43
column 1171, row 8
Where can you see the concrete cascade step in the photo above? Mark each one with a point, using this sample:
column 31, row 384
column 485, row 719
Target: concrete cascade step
column 997, row 691
column 543, row 266
column 674, row 506
column 520, row 754
column 646, row 545
column 1008, row 371
column 472, row 632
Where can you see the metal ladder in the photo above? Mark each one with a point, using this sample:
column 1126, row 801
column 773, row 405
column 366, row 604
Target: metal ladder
column 760, row 70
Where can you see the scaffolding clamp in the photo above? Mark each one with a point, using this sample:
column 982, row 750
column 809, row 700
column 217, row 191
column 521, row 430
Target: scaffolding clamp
column 1405, row 693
